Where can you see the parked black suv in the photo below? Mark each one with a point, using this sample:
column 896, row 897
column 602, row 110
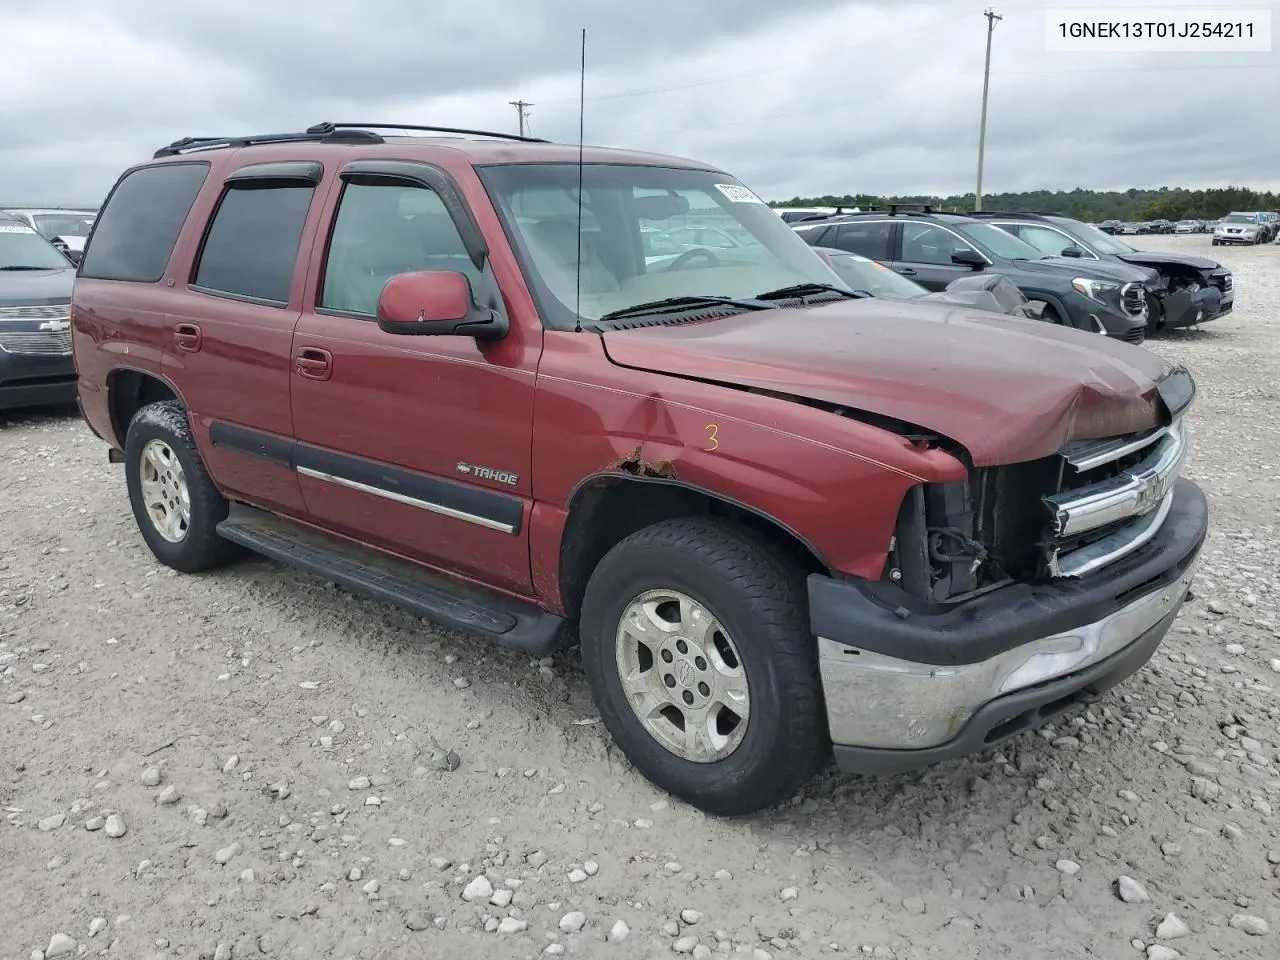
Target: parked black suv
column 36, row 366
column 935, row 248
column 1182, row 289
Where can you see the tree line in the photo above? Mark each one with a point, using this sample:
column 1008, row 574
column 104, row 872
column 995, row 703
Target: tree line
column 1092, row 206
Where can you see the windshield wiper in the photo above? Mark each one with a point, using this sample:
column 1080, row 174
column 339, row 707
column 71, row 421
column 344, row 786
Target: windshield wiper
column 676, row 304
column 24, row 266
column 809, row 289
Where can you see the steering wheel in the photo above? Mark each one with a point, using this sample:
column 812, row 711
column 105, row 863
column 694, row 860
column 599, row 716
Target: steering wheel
column 692, row 254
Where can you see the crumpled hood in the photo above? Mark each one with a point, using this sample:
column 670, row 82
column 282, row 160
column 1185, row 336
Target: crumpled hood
column 1007, row 389
column 1148, row 258
column 1093, row 269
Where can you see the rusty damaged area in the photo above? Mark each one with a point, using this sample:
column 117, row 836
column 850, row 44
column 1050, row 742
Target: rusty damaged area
column 636, row 465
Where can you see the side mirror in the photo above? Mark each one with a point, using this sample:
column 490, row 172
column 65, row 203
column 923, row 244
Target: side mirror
column 436, row 303
column 969, row 258
column 1073, row 251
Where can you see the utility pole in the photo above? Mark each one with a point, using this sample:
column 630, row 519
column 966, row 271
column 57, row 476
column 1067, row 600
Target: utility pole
column 992, row 17
column 521, row 108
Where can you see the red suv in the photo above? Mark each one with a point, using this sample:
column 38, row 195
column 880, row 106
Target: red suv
column 442, row 370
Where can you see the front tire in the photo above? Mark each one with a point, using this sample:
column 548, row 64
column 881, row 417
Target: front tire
column 696, row 646
column 174, row 502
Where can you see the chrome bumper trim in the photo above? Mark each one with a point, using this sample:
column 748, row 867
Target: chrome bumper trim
column 877, row 701
column 1130, row 537
column 1136, row 491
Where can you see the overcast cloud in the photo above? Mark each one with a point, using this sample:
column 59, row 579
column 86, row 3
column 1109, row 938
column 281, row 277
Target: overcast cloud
column 798, row 97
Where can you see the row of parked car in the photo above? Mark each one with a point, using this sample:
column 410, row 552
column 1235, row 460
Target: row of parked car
column 1084, row 277
column 1237, row 227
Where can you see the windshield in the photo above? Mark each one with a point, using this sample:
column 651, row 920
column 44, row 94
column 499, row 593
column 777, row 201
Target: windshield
column 859, row 273
column 1238, row 218
column 648, row 233
column 1100, row 242
column 21, row 248
column 995, row 242
column 62, row 225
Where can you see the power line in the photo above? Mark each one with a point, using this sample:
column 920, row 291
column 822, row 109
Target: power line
column 992, row 19
column 522, row 107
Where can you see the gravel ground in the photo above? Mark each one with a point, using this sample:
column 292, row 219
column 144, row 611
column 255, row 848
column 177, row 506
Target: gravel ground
column 246, row 763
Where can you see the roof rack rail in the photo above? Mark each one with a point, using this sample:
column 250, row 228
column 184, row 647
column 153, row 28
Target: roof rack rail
column 1011, row 213
column 316, row 134
column 336, row 127
column 894, row 208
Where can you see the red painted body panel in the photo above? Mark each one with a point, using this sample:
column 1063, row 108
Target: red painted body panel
column 942, row 368
column 558, row 409
column 424, row 404
column 834, row 482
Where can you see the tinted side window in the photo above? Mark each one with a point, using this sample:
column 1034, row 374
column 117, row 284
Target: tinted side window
column 869, row 239
column 382, row 230
column 252, row 245
column 136, row 232
column 1047, row 241
column 926, row 243
column 813, row 236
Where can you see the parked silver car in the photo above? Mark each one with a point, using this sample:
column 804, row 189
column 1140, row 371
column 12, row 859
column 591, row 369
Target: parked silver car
column 1239, row 228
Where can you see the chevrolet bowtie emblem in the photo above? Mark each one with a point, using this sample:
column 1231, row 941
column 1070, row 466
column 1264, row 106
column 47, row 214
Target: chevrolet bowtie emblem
column 57, row 326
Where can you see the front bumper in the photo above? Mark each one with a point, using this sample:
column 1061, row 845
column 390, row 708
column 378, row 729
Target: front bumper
column 905, row 689
column 32, row 380
column 1236, row 237
column 1132, row 328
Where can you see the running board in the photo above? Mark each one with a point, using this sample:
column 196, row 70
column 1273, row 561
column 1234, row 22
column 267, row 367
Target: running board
column 507, row 622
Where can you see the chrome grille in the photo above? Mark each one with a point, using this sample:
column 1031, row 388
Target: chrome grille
column 42, row 343
column 1118, row 493
column 51, row 311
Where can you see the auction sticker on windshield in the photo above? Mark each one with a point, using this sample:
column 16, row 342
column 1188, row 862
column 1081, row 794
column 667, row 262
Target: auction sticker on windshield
column 738, row 194
column 14, row 228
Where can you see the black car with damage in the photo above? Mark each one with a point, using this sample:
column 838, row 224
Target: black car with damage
column 1182, row 289
column 36, row 366
column 934, row 249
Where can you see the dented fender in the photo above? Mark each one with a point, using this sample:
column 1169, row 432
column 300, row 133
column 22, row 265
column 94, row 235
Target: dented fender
column 835, row 482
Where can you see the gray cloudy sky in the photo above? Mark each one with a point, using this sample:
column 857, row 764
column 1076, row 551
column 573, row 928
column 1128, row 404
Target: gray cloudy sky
column 794, row 97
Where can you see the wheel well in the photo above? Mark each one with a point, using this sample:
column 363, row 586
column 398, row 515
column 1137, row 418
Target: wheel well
column 129, row 391
column 610, row 509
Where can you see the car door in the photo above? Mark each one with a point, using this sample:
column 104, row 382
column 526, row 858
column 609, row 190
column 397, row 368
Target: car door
column 232, row 330
column 926, row 251
column 420, row 445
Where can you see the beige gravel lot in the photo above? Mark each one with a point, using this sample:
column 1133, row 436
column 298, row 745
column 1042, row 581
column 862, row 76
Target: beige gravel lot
column 266, row 743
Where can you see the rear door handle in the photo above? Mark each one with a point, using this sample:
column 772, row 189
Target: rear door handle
column 186, row 337
column 314, row 363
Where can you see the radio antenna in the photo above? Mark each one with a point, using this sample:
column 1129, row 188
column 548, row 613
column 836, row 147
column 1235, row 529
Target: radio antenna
column 582, row 102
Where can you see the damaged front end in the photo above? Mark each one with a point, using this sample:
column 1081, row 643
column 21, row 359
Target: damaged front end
column 1066, row 515
column 1183, row 295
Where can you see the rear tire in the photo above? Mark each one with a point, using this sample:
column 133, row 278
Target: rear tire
column 720, row 703
column 174, row 502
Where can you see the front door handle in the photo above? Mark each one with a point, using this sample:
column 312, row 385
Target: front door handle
column 186, row 337
column 314, row 363
column 907, row 271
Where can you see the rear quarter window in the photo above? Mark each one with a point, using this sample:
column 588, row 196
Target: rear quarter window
column 136, row 231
